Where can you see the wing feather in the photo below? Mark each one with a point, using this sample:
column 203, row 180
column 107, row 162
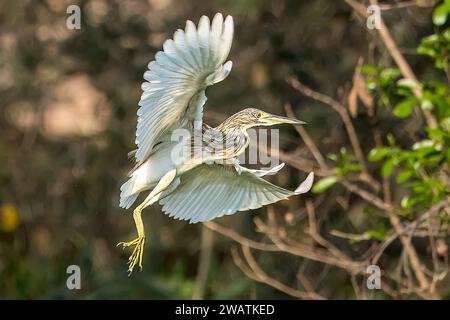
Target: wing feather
column 211, row 191
column 175, row 81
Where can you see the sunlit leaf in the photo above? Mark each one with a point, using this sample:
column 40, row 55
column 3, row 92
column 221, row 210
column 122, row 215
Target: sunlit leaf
column 426, row 105
column 405, row 108
column 379, row 235
column 408, row 84
column 440, row 14
column 369, row 69
column 377, row 154
column 387, row 168
column 324, row 184
column 404, row 176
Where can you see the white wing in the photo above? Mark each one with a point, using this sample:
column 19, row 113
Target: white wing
column 261, row 172
column 211, row 191
column 176, row 80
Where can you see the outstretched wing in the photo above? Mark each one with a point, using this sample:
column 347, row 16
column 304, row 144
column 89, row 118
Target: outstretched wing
column 176, row 80
column 211, row 191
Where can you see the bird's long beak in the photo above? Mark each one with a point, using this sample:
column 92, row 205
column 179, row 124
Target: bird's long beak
column 274, row 119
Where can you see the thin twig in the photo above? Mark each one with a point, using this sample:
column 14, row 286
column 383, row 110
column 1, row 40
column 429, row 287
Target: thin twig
column 240, row 239
column 336, row 106
column 307, row 139
column 346, row 119
column 399, row 5
column 314, row 233
column 369, row 197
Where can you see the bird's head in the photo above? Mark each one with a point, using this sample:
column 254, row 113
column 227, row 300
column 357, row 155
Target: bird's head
column 252, row 117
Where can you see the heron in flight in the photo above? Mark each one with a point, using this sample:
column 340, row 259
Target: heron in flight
column 206, row 182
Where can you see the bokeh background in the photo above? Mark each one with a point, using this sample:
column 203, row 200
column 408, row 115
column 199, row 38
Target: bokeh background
column 68, row 101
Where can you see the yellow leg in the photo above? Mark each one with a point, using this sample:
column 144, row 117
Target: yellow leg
column 138, row 252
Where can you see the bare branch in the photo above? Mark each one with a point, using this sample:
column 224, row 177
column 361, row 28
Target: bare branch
column 336, row 106
column 369, row 197
column 346, row 119
column 314, row 233
column 308, row 252
column 258, row 274
column 240, row 239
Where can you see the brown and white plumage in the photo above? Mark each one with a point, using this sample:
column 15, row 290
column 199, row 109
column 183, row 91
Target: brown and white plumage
column 208, row 182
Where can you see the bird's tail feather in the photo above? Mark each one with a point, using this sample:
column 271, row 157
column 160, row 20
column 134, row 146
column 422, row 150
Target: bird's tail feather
column 127, row 198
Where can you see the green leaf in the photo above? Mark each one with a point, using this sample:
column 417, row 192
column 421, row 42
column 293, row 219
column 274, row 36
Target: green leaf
column 407, row 202
column 388, row 75
column 426, row 105
column 431, row 39
column 387, row 168
column 376, row 154
column 332, row 156
column 379, row 235
column 423, row 144
column 403, row 176
column 405, row 107
column 446, row 35
column 369, row 69
column 391, row 139
column 437, row 134
column 324, row 184
column 425, row 50
column 355, row 167
column 445, row 124
column 371, row 85
column 440, row 14
column 408, row 84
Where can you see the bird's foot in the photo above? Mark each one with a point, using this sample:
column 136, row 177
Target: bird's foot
column 138, row 252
